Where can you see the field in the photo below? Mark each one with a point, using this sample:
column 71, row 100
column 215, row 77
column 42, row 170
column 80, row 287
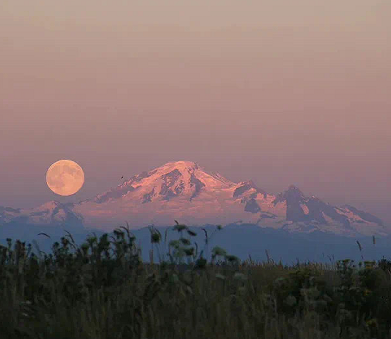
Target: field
column 102, row 290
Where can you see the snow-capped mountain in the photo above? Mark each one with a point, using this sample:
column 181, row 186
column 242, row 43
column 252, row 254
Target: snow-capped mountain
column 7, row 214
column 50, row 213
column 184, row 191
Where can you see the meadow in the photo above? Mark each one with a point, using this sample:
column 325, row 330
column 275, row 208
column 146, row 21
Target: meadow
column 103, row 290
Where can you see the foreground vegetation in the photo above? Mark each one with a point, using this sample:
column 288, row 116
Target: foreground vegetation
column 103, row 290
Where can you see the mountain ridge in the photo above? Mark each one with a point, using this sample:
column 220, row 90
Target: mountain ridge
column 186, row 191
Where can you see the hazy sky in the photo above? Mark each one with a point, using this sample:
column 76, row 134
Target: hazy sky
column 280, row 92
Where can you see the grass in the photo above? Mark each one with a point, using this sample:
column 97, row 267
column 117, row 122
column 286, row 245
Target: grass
column 102, row 290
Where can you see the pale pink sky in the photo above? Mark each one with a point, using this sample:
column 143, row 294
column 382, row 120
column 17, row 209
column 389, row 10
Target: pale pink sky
column 276, row 91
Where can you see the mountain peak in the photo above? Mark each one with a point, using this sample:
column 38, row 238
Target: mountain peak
column 50, row 205
column 182, row 164
column 294, row 191
column 293, row 188
column 174, row 179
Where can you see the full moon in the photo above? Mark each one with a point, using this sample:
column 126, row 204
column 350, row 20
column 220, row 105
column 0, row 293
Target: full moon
column 65, row 177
